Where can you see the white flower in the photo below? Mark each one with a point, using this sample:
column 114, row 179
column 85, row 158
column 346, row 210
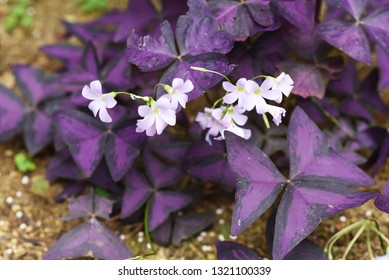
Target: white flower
column 237, row 130
column 277, row 113
column 204, row 119
column 243, row 92
column 229, row 114
column 156, row 117
column 100, row 102
column 178, row 91
column 276, row 86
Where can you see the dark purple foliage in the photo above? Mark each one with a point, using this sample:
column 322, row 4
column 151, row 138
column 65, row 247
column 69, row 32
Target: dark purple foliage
column 382, row 200
column 352, row 37
column 227, row 250
column 90, row 140
column 200, row 43
column 321, row 184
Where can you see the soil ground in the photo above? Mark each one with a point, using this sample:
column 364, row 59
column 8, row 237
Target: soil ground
column 29, row 222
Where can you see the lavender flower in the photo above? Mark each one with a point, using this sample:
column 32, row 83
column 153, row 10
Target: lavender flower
column 177, row 92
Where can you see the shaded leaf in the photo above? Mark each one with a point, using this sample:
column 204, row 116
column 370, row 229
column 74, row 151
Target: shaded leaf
column 228, row 250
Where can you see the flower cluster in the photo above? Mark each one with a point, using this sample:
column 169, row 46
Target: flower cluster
column 158, row 114
column 248, row 95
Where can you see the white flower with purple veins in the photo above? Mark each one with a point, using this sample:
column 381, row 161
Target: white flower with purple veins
column 243, row 92
column 157, row 115
column 283, row 84
column 178, row 91
column 100, row 102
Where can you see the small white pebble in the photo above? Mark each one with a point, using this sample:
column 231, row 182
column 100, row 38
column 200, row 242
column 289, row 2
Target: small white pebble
column 219, row 211
column 36, row 33
column 203, row 234
column 206, row 248
column 141, row 233
column 369, row 213
column 122, row 237
column 9, row 200
column 199, row 238
column 30, row 11
column 25, row 180
column 265, row 259
column 23, row 226
column 1, row 223
column 19, row 214
column 221, row 221
column 387, row 219
column 221, row 237
column 180, row 213
column 343, row 219
column 148, row 246
column 38, row 223
column 233, row 237
column 9, row 251
column 19, row 194
column 140, row 239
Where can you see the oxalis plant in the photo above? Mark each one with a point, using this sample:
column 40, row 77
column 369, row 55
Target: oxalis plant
column 261, row 101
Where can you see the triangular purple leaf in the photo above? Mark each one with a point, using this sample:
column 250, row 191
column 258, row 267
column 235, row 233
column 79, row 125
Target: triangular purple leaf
column 349, row 38
column 12, row 113
column 89, row 239
column 38, row 131
column 69, row 55
column 299, row 13
column 228, row 250
column 163, row 203
column 83, row 135
column 382, row 200
column 259, row 182
column 89, row 205
column 137, row 191
column 186, row 226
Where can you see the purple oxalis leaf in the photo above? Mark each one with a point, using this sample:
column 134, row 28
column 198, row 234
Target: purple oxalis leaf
column 163, row 203
column 200, row 43
column 228, row 250
column 382, row 200
column 299, row 13
column 12, row 113
column 321, row 184
column 242, row 19
column 69, row 55
column 89, row 141
column 209, row 162
column 308, row 80
column 89, row 239
column 186, row 226
column 259, row 182
column 89, row 205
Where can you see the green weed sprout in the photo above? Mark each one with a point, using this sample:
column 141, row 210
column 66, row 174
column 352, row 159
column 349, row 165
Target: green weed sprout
column 24, row 163
column 18, row 16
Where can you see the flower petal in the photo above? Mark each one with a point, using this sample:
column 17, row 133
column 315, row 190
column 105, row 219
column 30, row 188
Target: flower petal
column 88, row 93
column 144, row 110
column 104, row 116
column 231, row 97
column 96, row 87
column 168, row 116
column 110, row 102
column 260, row 105
column 160, row 124
column 95, row 106
column 228, row 86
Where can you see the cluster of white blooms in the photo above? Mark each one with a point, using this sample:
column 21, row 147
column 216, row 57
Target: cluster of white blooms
column 248, row 95
column 230, row 116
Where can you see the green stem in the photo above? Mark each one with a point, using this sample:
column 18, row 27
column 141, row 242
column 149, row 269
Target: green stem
column 146, row 224
column 352, row 242
column 266, row 121
column 383, row 248
column 368, row 242
column 379, row 233
column 155, row 89
column 261, row 76
column 217, row 102
column 209, row 71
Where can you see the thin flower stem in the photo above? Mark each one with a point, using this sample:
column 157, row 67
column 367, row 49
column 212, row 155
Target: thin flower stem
column 217, row 102
column 352, row 242
column 368, row 242
column 209, row 71
column 379, row 233
column 383, row 248
column 155, row 89
column 146, row 224
column 261, row 76
column 333, row 119
column 266, row 121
